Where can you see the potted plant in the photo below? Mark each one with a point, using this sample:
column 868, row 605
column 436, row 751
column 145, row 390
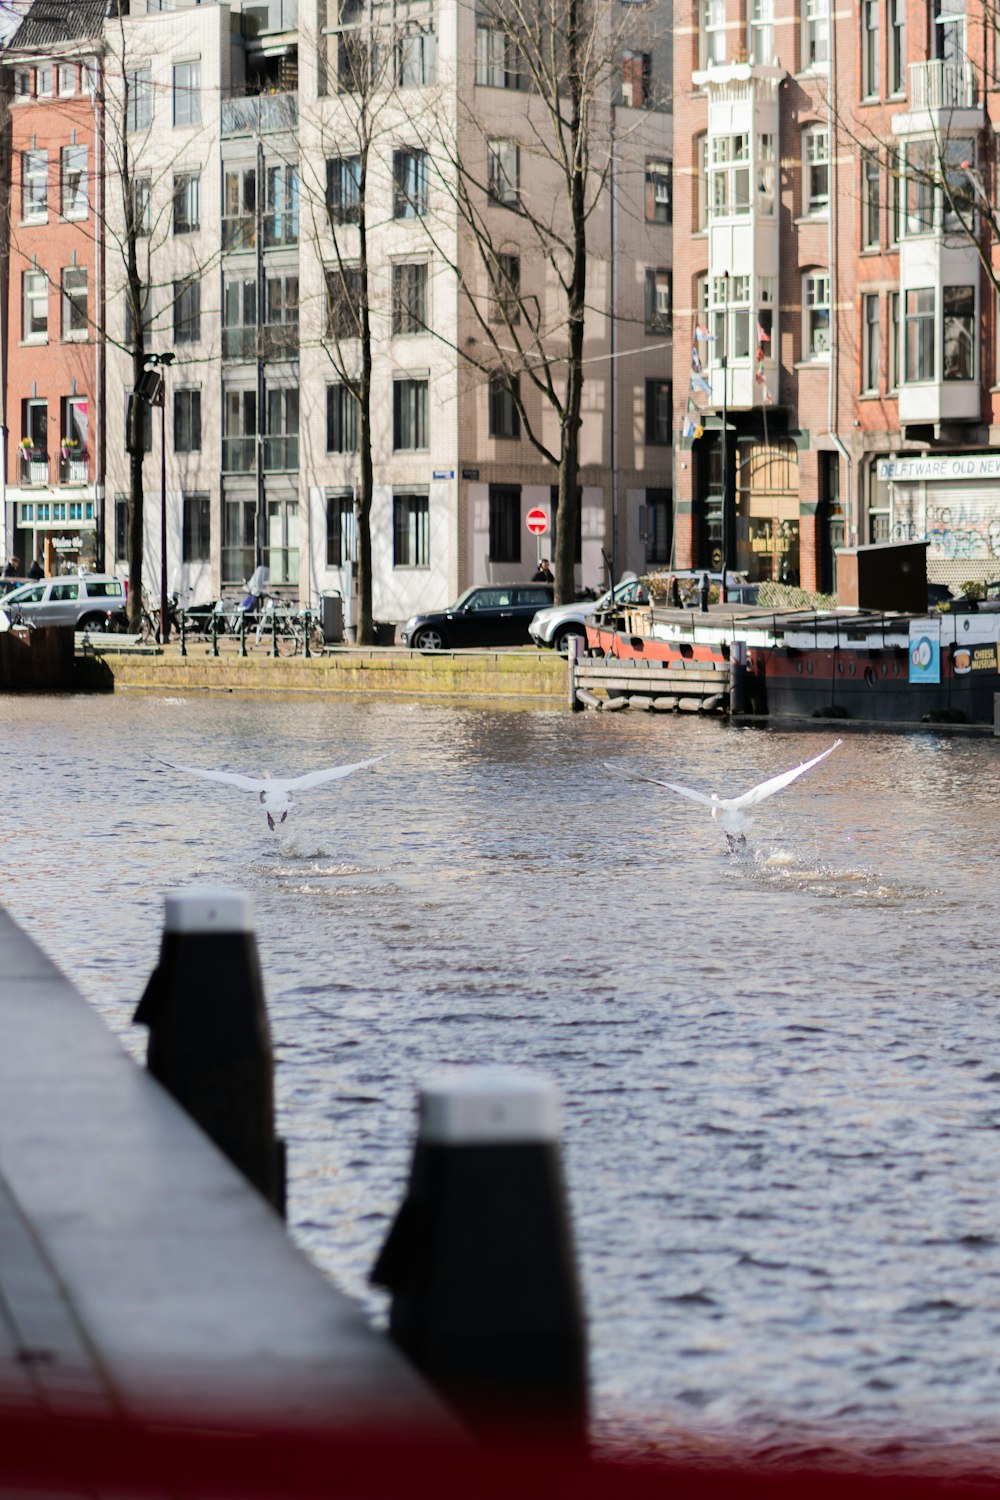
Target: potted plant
column 27, row 446
column 69, row 446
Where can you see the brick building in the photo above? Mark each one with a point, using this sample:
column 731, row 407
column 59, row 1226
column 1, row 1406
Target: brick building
column 833, row 304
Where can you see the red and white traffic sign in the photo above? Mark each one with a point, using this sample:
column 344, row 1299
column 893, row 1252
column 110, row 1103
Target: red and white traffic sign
column 537, row 522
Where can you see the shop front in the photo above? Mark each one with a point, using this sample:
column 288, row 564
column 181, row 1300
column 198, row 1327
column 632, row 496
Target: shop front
column 62, row 533
column 768, row 531
column 953, row 503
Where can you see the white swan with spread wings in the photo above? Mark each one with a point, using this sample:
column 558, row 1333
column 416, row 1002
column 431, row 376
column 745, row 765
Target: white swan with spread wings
column 275, row 792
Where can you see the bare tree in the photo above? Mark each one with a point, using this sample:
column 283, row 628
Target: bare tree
column 573, row 60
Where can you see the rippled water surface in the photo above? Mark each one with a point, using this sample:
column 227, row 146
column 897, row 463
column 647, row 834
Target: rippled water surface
column 779, row 1072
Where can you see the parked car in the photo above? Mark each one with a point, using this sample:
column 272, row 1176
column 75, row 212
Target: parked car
column 88, row 601
column 554, row 627
column 485, row 615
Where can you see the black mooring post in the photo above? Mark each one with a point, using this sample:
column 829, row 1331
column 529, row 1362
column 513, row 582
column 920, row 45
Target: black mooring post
column 480, row 1260
column 209, row 1038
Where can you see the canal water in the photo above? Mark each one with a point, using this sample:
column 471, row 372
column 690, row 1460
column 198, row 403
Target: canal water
column 779, row 1073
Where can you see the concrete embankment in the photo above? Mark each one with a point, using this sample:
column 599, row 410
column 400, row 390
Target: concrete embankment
column 139, row 1272
column 387, row 672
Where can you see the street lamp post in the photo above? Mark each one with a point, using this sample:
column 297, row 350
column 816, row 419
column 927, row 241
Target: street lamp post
column 725, row 437
column 154, row 393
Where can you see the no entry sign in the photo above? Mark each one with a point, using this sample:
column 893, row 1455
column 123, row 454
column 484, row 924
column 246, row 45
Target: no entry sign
column 537, row 522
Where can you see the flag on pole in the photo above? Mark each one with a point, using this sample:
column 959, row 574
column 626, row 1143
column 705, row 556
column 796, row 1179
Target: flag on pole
column 763, row 337
column 699, row 383
column 691, row 428
column 702, row 334
column 695, row 359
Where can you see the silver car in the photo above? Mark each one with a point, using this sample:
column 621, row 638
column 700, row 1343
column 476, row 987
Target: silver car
column 88, row 601
column 553, row 627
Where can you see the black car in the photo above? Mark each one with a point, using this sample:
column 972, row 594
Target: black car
column 493, row 614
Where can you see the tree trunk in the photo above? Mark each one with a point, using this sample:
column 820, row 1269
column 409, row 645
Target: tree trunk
column 366, row 623
column 135, row 496
column 568, row 510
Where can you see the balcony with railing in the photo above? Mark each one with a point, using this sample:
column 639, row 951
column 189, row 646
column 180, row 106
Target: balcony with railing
column 74, row 468
column 34, row 466
column 259, row 114
column 942, row 85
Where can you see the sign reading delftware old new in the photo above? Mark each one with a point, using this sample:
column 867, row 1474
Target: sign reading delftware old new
column 925, row 651
column 917, row 470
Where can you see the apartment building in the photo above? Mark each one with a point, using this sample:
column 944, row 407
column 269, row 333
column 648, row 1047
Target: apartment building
column 838, row 312
column 229, row 136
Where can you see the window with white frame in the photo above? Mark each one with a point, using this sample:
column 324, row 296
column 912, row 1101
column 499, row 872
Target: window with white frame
column 897, row 46
column 658, row 299
column 187, row 310
column 871, row 203
column 75, row 322
column 958, row 332
column 196, row 535
column 416, row 54
column 871, row 343
column 339, row 527
column 341, row 419
column 658, row 195
column 816, row 169
column 505, row 302
column 503, row 171
column 73, row 181
column 816, row 315
column 343, row 302
column 410, row 183
column 919, row 334
column 701, row 182
column 411, row 530
column 918, row 180
column 713, row 33
column 45, row 80
column 730, row 310
column 893, row 340
column 659, row 414
column 765, row 174
column 729, row 176
column 409, row 298
column 948, row 30
column 34, row 186
column 504, row 417
column 142, row 206
column 815, row 33
column 761, row 17
column 66, row 73
column 187, row 420
column 187, row 93
column 35, row 316
column 343, row 189
column 499, row 63
column 22, row 84
column 187, row 202
column 139, row 98
column 765, row 316
column 870, row 49
column 409, row 415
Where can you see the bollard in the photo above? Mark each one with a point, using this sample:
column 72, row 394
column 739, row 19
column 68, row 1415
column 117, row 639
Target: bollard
column 306, row 622
column 274, row 632
column 209, row 1039
column 703, row 594
column 480, row 1259
column 215, row 635
column 243, row 632
column 182, row 622
column 573, row 653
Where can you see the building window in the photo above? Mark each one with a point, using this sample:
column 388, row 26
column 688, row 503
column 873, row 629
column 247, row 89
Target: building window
column 762, row 31
column 871, row 204
column 879, row 509
column 918, row 181
column 894, row 196
column 816, row 161
column 731, row 316
column 138, row 99
column 73, row 181
column 187, row 311
column 658, row 300
column 505, row 523
column 505, row 419
column 187, row 202
column 659, row 200
column 505, row 303
column 870, row 49
column 34, row 186
column 411, row 530
column 920, row 334
column 637, row 80
column 765, row 174
column 713, row 33
column 281, row 215
column 239, row 210
column 187, row 93
column 958, row 315
column 815, row 33
column 409, row 184
column 281, row 435
column 958, row 195
column 343, row 302
column 121, row 528
column 729, row 172
column 66, row 75
column 75, row 425
column 22, row 84
column 239, row 438
column 341, row 419
column 35, row 316
column 409, row 415
column 75, row 321
column 893, row 340
column 339, row 527
column 196, row 537
column 187, row 421
column 871, row 343
column 142, row 206
column 948, row 38
column 701, row 182
column 658, row 412
column 499, row 64
column 239, row 319
column 409, row 298
column 145, row 313
column 816, row 309
column 897, row 45
column 415, row 56
column 343, row 189
column 503, row 171
column 655, row 519
column 239, row 531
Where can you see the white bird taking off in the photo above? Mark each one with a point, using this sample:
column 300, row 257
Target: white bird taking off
column 275, row 792
column 730, row 811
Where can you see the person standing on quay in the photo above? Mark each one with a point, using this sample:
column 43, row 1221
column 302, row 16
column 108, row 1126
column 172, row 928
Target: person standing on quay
column 543, row 573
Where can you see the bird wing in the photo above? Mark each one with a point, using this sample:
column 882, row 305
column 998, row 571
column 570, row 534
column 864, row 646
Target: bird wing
column 776, row 783
column 333, row 773
column 684, row 791
column 231, row 778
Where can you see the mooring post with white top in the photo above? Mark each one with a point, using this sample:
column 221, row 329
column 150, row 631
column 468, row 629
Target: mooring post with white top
column 480, row 1260
column 573, row 654
column 209, row 1038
